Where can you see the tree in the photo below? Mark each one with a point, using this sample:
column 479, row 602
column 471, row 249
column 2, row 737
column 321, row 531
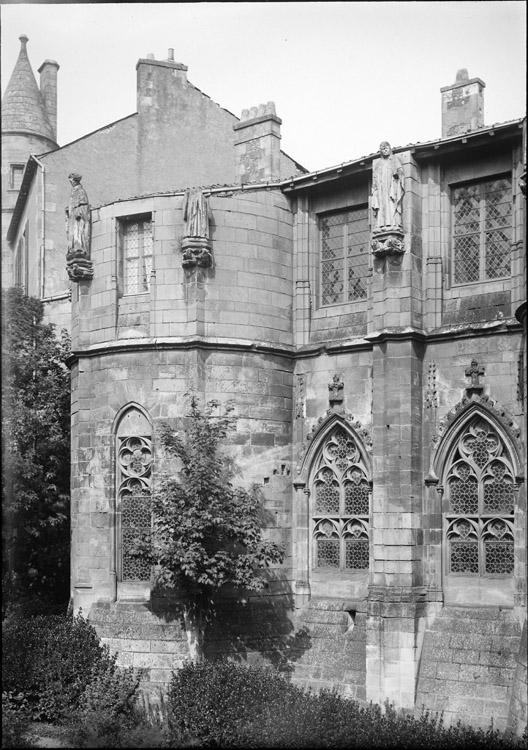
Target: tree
column 35, row 453
column 206, row 533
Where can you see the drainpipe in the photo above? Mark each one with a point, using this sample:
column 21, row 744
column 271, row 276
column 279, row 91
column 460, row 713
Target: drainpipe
column 43, row 233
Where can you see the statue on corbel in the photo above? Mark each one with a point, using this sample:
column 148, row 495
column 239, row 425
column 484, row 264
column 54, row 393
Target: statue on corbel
column 78, row 231
column 196, row 243
column 388, row 188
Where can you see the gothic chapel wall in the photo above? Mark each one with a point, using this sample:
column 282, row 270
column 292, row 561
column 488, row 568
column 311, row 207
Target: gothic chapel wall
column 369, row 323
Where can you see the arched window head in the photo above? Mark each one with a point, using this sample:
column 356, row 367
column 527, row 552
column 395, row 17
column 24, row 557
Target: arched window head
column 134, row 483
column 479, row 497
column 341, row 504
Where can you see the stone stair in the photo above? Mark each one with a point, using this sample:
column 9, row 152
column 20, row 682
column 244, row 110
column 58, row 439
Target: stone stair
column 468, row 664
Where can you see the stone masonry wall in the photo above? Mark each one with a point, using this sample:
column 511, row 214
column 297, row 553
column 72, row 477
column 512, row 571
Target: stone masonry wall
column 468, row 664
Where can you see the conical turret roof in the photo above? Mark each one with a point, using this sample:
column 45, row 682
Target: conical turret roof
column 23, row 109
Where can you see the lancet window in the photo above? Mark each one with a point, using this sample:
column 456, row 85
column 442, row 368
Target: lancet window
column 341, row 505
column 480, row 498
column 134, row 473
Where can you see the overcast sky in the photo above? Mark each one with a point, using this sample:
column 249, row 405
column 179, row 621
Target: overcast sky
column 343, row 75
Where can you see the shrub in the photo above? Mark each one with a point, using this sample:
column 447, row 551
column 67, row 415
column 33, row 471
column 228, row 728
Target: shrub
column 50, row 660
column 15, row 722
column 227, row 705
column 219, row 703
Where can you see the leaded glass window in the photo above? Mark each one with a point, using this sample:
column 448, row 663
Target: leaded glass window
column 482, row 230
column 134, row 464
column 137, row 247
column 479, row 496
column 344, row 256
column 341, row 505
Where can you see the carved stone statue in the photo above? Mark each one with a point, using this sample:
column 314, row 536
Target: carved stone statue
column 196, row 214
column 196, row 247
column 78, row 217
column 387, row 189
column 78, row 231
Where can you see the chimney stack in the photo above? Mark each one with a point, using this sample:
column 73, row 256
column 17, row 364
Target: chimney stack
column 48, row 89
column 257, row 144
column 462, row 105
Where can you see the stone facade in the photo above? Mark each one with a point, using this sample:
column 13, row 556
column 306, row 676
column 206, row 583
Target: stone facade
column 380, row 396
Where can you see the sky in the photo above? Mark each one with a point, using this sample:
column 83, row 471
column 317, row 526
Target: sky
column 343, row 75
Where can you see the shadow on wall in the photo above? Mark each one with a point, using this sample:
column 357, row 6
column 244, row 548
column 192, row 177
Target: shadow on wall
column 254, row 629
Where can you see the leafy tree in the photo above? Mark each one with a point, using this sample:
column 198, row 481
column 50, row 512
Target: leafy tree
column 207, row 533
column 35, row 454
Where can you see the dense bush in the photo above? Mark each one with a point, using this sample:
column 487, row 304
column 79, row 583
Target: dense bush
column 50, row 661
column 15, row 722
column 228, row 705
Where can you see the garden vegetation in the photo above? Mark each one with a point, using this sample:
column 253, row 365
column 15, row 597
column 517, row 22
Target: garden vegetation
column 55, row 669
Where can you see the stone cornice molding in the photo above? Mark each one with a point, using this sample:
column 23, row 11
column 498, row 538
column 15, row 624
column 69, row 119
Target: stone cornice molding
column 179, row 342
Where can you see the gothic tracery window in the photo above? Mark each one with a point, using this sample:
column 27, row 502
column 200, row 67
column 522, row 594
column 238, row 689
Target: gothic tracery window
column 479, row 496
column 341, row 505
column 134, row 472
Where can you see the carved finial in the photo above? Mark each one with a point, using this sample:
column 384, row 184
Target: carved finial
column 24, row 39
column 462, row 75
column 170, row 56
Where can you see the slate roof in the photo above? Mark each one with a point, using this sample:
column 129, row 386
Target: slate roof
column 23, row 109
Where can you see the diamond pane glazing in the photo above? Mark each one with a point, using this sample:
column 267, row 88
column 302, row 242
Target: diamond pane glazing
column 467, row 259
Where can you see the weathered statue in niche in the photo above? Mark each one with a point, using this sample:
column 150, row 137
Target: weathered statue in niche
column 78, row 231
column 196, row 247
column 387, row 189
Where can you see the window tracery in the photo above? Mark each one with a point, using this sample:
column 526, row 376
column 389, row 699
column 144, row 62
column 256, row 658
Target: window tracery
column 480, row 497
column 341, row 505
column 134, row 468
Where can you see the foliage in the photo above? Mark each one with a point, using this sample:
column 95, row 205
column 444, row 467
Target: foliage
column 108, row 714
column 228, row 705
column 49, row 662
column 35, row 453
column 207, row 533
column 15, row 722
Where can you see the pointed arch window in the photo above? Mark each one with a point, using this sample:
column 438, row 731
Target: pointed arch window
column 134, row 485
column 341, row 505
column 479, row 503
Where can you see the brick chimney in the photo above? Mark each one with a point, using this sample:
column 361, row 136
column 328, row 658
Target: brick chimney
column 257, row 144
column 48, row 89
column 158, row 82
column 462, row 105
